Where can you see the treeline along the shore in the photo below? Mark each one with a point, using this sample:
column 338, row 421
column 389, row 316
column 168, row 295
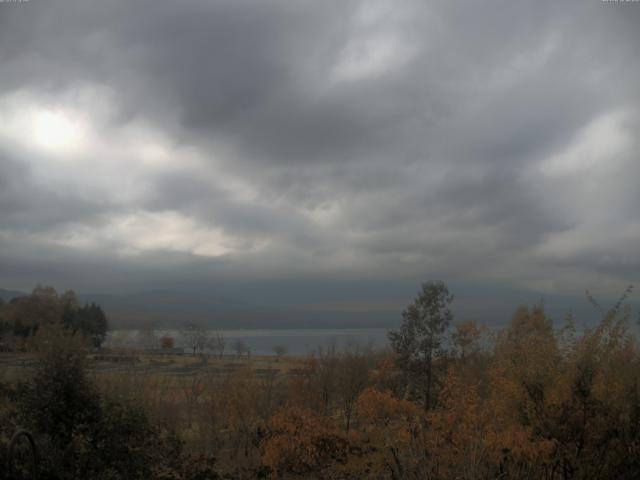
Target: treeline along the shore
column 447, row 401
column 22, row 316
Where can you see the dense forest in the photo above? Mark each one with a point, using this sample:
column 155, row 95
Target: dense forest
column 448, row 400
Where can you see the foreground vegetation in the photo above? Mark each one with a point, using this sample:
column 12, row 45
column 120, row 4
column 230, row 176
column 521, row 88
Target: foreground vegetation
column 447, row 402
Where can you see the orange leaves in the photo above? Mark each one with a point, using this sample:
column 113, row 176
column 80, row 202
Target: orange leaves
column 467, row 337
column 166, row 342
column 457, row 430
column 300, row 441
column 390, row 436
column 383, row 409
column 386, row 374
column 470, row 436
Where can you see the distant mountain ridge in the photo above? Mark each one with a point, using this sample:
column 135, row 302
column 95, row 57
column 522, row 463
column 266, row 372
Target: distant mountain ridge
column 175, row 308
column 7, row 295
column 169, row 308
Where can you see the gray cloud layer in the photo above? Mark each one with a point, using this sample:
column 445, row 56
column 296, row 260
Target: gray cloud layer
column 232, row 143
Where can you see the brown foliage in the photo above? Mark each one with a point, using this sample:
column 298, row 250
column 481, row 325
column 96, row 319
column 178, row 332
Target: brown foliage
column 167, row 342
column 301, row 442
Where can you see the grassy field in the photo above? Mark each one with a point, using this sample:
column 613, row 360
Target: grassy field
column 15, row 365
column 214, row 403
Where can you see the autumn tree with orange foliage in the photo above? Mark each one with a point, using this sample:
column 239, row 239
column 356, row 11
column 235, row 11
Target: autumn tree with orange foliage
column 392, row 437
column 301, row 442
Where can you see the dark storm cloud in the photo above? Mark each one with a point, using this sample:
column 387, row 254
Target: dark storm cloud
column 308, row 139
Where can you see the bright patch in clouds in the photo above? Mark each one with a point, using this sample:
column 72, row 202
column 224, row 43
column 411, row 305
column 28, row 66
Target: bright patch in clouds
column 377, row 46
column 57, row 131
column 53, row 130
column 370, row 57
column 168, row 231
column 140, row 232
column 597, row 146
column 122, row 160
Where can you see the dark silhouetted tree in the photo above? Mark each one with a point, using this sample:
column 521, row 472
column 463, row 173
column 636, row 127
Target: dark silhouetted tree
column 421, row 336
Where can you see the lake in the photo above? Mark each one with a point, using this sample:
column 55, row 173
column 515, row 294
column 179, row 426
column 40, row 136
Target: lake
column 262, row 342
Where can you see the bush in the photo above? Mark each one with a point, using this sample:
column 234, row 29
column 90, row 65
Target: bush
column 81, row 434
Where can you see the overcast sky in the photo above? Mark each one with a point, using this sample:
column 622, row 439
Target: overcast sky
column 333, row 151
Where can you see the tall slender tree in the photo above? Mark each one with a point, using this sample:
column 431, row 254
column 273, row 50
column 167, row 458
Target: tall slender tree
column 420, row 338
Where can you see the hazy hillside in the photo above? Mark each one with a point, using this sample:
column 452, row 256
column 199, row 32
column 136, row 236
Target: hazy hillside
column 172, row 308
column 9, row 294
